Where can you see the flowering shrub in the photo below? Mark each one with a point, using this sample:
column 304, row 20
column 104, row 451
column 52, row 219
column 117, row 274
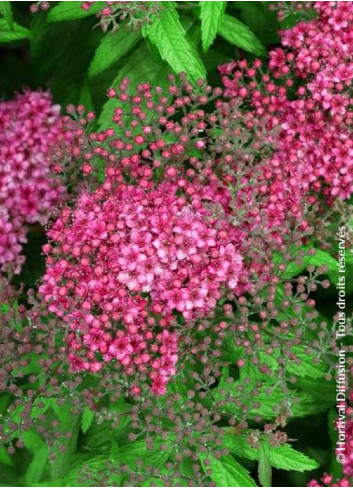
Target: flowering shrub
column 184, row 331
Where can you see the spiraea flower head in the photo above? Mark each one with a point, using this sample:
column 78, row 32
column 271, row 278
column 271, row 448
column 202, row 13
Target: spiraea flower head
column 30, row 125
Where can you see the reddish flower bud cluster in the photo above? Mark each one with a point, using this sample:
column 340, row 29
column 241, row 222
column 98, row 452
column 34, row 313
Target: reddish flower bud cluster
column 314, row 145
column 134, row 14
column 29, row 126
column 35, row 7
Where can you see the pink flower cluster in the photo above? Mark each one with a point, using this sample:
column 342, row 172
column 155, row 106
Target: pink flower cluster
column 130, row 259
column 314, row 144
column 29, row 125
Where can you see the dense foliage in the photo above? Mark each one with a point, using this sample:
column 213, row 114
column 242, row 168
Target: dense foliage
column 176, row 240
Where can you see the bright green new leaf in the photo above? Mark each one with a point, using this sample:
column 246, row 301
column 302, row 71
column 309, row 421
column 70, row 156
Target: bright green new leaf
column 211, row 16
column 112, row 47
column 87, row 419
column 35, row 443
column 308, row 366
column 16, row 33
column 72, row 10
column 68, row 446
column 138, row 450
column 5, row 458
column 226, row 472
column 281, row 457
column 4, row 308
column 168, row 35
column 318, row 259
column 265, row 473
column 97, row 464
column 237, row 33
column 6, row 12
column 286, row 458
column 45, row 405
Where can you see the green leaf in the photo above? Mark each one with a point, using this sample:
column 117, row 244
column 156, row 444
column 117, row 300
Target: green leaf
column 138, row 450
column 72, row 10
column 261, row 20
column 112, row 47
column 168, row 35
column 6, row 12
column 237, row 33
column 307, row 367
column 322, row 392
column 86, row 96
column 332, row 418
column 211, row 16
column 281, row 457
column 35, row 443
column 265, row 473
column 318, row 259
column 46, row 404
column 68, row 446
column 97, row 465
column 5, row 458
column 16, row 33
column 226, row 472
column 87, row 419
column 286, row 458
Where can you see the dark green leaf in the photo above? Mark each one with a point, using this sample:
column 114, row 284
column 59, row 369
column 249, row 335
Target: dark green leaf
column 168, row 35
column 261, row 20
column 237, row 33
column 72, row 10
column 6, row 12
column 265, row 472
column 112, row 47
column 86, row 96
column 211, row 16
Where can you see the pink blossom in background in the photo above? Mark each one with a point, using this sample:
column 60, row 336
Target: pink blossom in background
column 312, row 136
column 29, row 126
